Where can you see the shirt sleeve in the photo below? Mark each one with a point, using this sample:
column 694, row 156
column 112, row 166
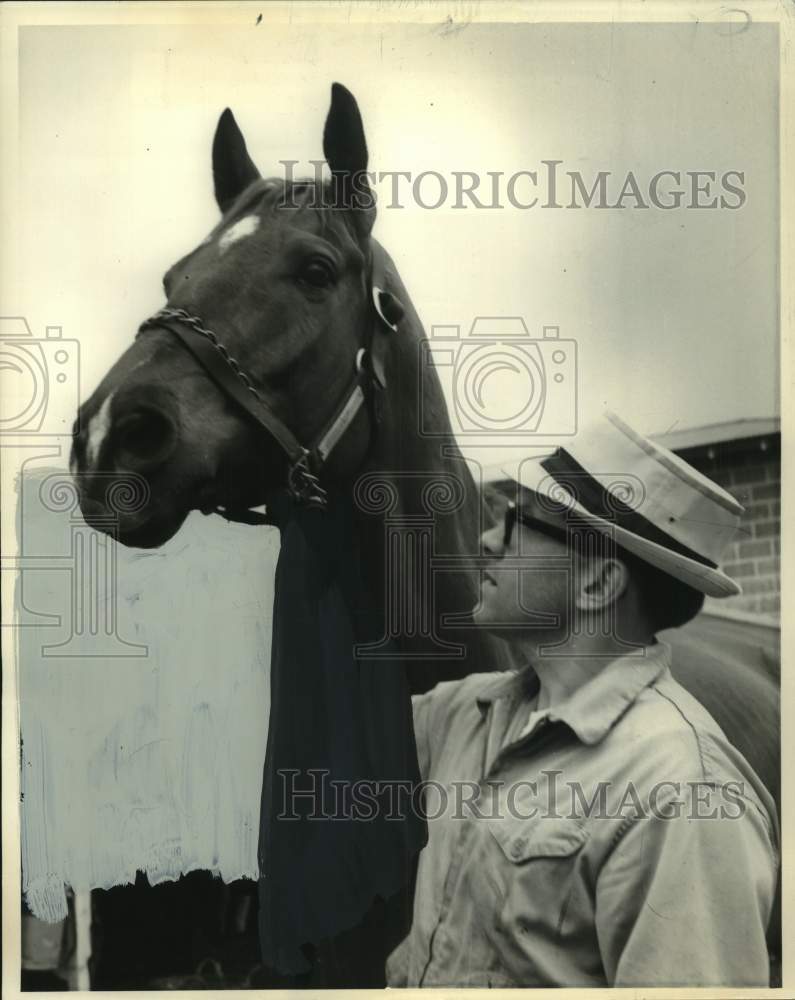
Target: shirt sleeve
column 421, row 707
column 397, row 963
column 685, row 901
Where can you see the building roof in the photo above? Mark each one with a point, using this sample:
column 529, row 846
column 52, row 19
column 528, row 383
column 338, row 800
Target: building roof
column 692, row 437
column 734, row 430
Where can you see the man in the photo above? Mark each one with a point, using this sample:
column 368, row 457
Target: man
column 589, row 823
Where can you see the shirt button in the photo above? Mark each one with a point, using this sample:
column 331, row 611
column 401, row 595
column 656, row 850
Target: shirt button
column 517, row 847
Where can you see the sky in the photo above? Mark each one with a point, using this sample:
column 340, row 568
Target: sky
column 674, row 313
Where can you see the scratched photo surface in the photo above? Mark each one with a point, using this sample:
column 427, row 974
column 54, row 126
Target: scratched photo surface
column 602, row 198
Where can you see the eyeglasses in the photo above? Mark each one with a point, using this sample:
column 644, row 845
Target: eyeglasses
column 514, row 513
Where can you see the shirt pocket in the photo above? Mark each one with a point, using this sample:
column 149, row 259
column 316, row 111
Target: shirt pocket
column 521, row 841
column 536, row 873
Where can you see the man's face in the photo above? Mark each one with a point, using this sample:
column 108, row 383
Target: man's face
column 525, row 588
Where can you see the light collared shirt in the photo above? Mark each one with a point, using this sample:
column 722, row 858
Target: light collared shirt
column 614, row 839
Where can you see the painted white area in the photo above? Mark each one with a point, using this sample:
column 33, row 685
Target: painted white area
column 243, row 227
column 143, row 737
column 98, row 428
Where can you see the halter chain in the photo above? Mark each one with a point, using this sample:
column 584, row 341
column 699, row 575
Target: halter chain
column 303, row 482
column 196, row 325
column 303, row 485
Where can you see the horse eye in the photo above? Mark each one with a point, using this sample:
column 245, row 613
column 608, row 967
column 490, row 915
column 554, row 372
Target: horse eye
column 317, row 273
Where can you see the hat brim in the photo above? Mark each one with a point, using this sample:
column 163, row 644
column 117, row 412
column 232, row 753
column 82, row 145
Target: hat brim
column 530, row 474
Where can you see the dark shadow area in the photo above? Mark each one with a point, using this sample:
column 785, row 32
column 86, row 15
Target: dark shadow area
column 198, row 933
column 195, row 933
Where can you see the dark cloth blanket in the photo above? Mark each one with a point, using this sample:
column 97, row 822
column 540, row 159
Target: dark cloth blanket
column 347, row 720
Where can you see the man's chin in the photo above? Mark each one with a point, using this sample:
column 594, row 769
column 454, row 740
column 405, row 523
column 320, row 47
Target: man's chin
column 483, row 615
column 513, row 629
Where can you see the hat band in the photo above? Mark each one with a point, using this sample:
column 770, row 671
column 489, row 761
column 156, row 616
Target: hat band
column 592, row 495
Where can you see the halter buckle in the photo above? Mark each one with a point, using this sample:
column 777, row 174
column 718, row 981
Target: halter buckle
column 303, row 486
column 377, row 293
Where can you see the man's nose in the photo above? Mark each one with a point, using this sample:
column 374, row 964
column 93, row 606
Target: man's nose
column 492, row 542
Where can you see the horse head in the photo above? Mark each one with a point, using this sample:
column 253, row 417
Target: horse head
column 281, row 289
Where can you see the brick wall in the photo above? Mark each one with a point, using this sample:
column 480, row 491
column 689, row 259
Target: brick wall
column 750, row 470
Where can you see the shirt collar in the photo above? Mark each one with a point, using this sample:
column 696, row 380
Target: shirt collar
column 593, row 710
column 522, row 683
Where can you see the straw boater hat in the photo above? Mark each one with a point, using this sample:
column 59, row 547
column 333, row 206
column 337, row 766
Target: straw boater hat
column 654, row 504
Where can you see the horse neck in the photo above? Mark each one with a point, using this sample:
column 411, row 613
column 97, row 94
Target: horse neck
column 408, row 463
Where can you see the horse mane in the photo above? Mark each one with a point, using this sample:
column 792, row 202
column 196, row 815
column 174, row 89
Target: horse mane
column 409, row 464
column 413, row 395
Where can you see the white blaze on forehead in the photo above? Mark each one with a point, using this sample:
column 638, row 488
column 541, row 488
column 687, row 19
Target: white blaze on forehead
column 98, row 428
column 243, row 227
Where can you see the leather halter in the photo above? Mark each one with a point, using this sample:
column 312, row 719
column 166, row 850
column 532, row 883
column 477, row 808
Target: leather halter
column 306, row 462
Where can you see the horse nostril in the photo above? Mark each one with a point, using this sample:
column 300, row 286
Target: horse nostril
column 144, row 438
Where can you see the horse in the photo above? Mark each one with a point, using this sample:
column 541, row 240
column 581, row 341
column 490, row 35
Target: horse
column 287, row 364
column 285, row 368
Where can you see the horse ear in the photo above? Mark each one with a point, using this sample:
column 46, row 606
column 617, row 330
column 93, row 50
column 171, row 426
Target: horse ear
column 233, row 169
column 345, row 150
column 343, row 136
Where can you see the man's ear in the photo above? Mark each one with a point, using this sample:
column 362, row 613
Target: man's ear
column 345, row 150
column 601, row 583
column 233, row 169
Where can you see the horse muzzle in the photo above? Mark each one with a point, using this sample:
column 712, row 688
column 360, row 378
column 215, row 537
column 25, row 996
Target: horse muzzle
column 134, row 429
column 124, row 512
column 124, row 443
